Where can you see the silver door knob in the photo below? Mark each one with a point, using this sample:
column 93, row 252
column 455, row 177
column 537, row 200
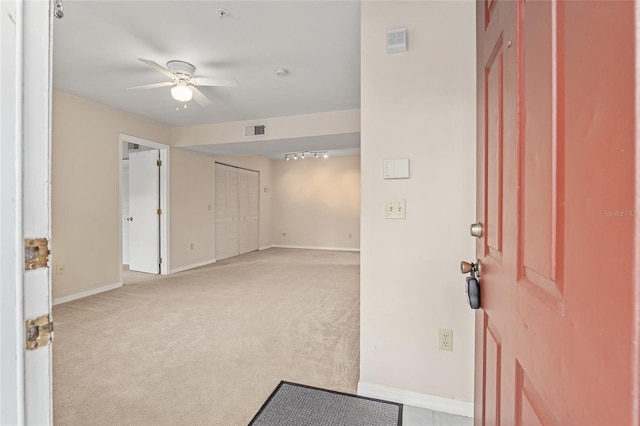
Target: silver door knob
column 476, row 230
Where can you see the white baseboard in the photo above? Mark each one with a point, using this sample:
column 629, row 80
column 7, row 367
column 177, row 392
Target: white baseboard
column 315, row 248
column 195, row 265
column 435, row 403
column 87, row 293
column 264, row 247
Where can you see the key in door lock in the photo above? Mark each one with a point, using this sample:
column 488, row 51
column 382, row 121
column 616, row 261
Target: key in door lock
column 472, row 287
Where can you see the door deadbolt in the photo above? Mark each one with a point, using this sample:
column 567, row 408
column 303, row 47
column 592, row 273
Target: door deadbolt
column 476, row 230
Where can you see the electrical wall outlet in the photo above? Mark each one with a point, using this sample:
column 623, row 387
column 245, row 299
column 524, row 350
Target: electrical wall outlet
column 445, row 339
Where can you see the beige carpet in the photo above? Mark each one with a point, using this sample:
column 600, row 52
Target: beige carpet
column 132, row 277
column 208, row 346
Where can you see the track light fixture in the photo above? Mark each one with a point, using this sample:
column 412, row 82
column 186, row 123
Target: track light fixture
column 302, row 154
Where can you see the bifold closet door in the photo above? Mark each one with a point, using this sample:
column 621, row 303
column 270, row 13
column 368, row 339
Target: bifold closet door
column 232, row 213
column 249, row 210
column 237, row 211
column 253, row 211
column 243, row 211
column 221, row 213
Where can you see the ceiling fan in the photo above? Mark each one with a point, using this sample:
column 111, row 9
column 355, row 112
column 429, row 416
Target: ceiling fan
column 184, row 82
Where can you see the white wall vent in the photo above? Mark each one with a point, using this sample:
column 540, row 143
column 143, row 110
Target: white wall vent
column 255, row 130
column 397, row 40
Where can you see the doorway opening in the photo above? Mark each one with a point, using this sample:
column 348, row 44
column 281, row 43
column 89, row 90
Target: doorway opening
column 144, row 209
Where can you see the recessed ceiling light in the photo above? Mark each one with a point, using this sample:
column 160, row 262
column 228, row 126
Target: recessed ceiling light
column 221, row 13
column 281, row 72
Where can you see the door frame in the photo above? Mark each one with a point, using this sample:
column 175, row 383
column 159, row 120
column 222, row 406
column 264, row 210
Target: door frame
column 165, row 154
column 11, row 244
column 25, row 155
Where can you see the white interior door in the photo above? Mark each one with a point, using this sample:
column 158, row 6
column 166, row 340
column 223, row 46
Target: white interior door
column 144, row 202
column 125, row 212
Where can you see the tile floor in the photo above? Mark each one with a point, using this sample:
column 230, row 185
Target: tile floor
column 414, row 416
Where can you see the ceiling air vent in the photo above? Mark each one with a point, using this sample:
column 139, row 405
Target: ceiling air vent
column 255, row 130
column 397, row 40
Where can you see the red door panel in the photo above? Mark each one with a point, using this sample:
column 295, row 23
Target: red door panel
column 556, row 167
column 541, row 145
column 493, row 148
column 492, row 376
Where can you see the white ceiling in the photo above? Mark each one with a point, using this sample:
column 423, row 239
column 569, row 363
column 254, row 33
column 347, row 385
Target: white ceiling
column 97, row 45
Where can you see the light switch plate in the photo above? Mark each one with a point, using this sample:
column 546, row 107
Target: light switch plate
column 395, row 209
column 396, row 169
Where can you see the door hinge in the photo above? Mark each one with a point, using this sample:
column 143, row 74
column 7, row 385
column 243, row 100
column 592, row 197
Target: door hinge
column 39, row 332
column 159, row 163
column 159, row 211
column 160, row 261
column 36, row 253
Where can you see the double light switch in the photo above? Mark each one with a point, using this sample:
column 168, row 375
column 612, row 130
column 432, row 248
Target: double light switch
column 395, row 209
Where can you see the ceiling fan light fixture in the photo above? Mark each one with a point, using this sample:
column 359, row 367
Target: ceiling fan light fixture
column 181, row 92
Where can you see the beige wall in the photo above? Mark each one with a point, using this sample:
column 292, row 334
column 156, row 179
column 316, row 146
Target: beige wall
column 262, row 165
column 418, row 105
column 85, row 195
column 296, row 126
column 192, row 212
column 85, row 190
column 316, row 202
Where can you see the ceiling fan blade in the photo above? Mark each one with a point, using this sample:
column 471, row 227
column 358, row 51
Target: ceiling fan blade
column 158, row 67
column 152, row 86
column 214, row 81
column 199, row 97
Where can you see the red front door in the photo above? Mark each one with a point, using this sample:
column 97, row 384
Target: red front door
column 557, row 193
